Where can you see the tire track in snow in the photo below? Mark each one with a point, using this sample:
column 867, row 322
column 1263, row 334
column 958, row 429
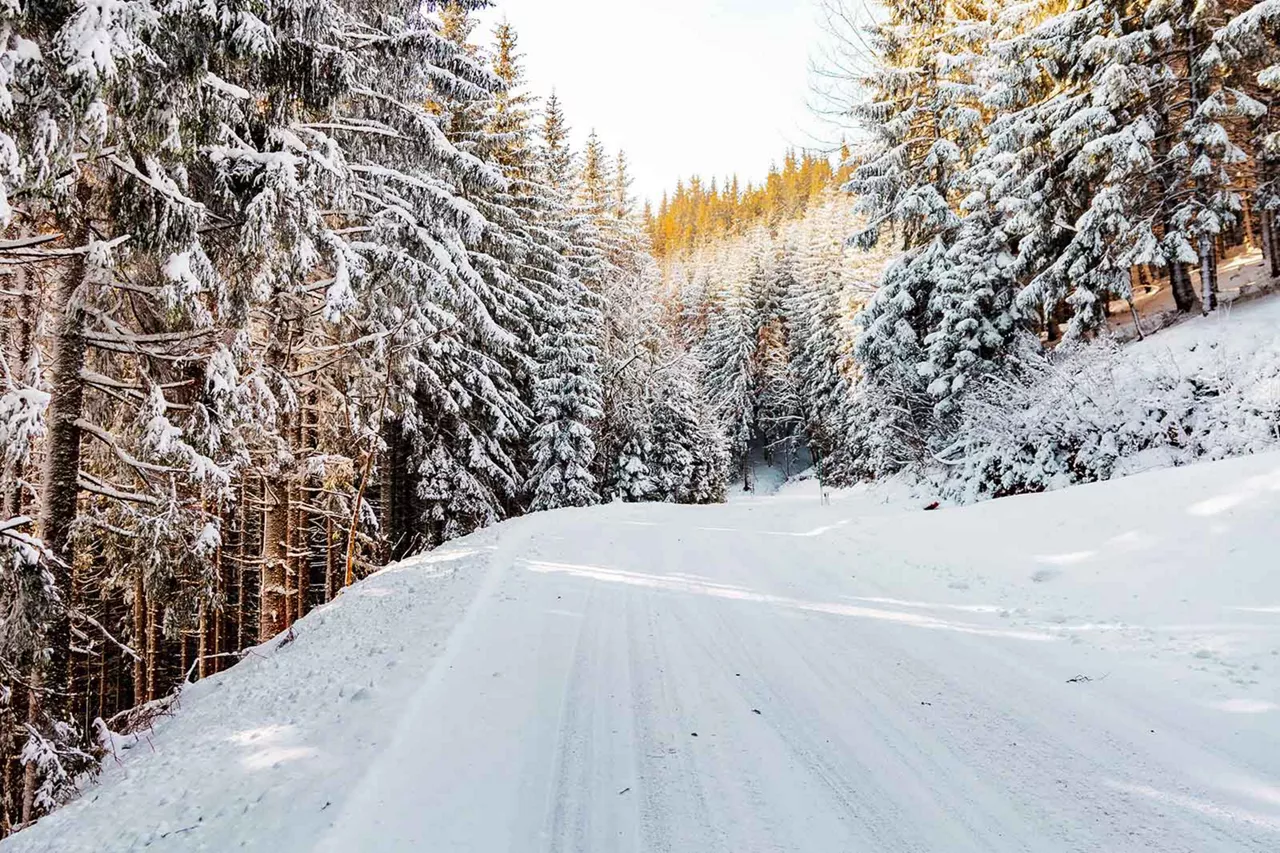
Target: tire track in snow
column 595, row 756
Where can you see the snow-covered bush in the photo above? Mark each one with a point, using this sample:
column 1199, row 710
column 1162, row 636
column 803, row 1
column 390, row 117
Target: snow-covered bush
column 1097, row 411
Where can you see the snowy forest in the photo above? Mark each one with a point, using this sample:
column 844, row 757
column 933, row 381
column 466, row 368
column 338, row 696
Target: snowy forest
column 292, row 290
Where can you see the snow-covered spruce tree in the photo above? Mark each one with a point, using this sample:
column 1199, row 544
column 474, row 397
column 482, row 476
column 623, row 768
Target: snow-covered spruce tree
column 1051, row 146
column 30, row 601
column 563, row 386
column 289, row 168
column 780, row 409
column 729, row 354
column 631, row 352
column 441, row 321
column 630, row 326
column 974, row 326
column 537, row 249
column 567, row 392
column 632, row 478
column 889, row 351
column 470, row 469
column 1248, row 43
column 924, row 119
column 1205, row 117
column 1104, row 118
column 667, row 439
column 779, row 418
column 119, row 112
column 814, row 310
column 690, row 453
column 37, row 98
column 566, row 402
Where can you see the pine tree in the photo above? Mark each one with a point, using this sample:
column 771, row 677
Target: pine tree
column 925, row 116
column 566, row 404
column 632, row 478
column 568, row 395
column 814, row 307
column 729, row 353
column 1248, row 43
column 689, row 449
column 1205, row 111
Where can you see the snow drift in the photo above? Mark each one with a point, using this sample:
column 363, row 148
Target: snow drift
column 1207, row 389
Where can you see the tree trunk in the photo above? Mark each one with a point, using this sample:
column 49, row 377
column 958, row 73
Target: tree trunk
column 386, row 493
column 59, row 481
column 60, row 476
column 202, row 645
column 152, row 647
column 6, row 754
column 1269, row 246
column 214, row 646
column 139, row 641
column 330, row 573
column 242, row 554
column 29, row 779
column 1247, row 209
column 1208, row 275
column 290, row 570
column 301, row 521
column 1205, row 249
column 275, row 530
column 1145, row 281
column 1184, row 295
column 20, row 339
column 301, row 554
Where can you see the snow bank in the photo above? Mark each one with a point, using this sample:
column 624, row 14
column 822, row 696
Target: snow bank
column 1206, row 389
column 286, row 731
column 1177, row 567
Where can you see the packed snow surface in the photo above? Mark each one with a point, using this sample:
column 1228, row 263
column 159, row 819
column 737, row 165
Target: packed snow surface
column 1096, row 669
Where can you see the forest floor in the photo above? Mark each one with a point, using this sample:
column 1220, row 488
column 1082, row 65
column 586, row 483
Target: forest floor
column 1092, row 669
column 1242, row 275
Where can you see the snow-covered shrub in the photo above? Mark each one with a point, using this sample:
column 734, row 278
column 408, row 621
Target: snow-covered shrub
column 1096, row 412
column 59, row 760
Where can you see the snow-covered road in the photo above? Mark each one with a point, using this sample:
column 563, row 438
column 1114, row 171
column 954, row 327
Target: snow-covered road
column 1093, row 670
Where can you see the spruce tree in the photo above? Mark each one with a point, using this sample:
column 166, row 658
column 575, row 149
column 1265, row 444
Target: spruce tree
column 1249, row 44
column 729, row 353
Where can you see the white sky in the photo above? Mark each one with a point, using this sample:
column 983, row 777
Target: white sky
column 706, row 87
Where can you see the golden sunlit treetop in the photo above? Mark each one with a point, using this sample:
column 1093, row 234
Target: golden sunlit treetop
column 699, row 212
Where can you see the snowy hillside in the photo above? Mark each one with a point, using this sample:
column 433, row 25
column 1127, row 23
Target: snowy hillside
column 1093, row 669
column 1208, row 388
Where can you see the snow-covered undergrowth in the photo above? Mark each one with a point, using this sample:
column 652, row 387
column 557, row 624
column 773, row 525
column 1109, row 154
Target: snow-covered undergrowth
column 287, row 729
column 1206, row 390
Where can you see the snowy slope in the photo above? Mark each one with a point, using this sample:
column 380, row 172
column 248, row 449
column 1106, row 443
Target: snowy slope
column 771, row 675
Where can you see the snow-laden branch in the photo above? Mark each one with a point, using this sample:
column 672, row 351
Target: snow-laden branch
column 123, row 455
column 168, row 192
column 89, row 483
column 85, row 617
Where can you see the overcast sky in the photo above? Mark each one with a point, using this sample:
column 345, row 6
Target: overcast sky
column 704, row 87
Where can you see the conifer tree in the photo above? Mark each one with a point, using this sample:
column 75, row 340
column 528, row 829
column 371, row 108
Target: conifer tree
column 566, row 403
column 1249, row 44
column 814, row 307
column 729, row 353
column 568, row 395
